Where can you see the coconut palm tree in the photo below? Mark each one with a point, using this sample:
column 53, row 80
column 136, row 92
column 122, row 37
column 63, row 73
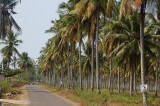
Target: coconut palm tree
column 124, row 50
column 10, row 46
column 153, row 28
column 92, row 10
column 27, row 65
column 142, row 5
column 6, row 18
column 24, row 61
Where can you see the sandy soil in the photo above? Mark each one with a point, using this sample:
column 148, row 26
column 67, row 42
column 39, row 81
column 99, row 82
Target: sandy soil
column 18, row 100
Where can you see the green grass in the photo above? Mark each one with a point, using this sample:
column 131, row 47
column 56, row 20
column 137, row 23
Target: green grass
column 5, row 86
column 7, row 83
column 105, row 98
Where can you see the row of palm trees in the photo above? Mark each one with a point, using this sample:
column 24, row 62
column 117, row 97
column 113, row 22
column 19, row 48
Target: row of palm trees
column 100, row 39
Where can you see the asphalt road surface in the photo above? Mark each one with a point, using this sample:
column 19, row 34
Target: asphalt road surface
column 41, row 97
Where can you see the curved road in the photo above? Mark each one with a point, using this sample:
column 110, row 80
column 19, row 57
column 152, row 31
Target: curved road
column 41, row 97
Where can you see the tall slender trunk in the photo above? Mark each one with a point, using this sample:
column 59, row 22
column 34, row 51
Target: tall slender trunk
column 92, row 67
column 54, row 75
column 51, row 73
column 97, row 54
column 49, row 78
column 62, row 75
column 87, row 77
column 118, row 80
column 134, row 80
column 142, row 18
column 131, row 79
column 68, row 62
column 156, row 83
column 149, row 83
column 80, row 68
column 71, row 68
column 8, row 64
column 124, row 78
column 110, row 75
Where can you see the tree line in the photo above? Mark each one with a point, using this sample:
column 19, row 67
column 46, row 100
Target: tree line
column 104, row 44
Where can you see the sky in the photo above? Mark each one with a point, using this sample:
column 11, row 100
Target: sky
column 34, row 17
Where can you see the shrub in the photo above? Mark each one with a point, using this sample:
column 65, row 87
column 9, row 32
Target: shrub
column 6, row 88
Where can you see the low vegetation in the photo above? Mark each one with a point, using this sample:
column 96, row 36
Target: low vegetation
column 11, row 86
column 6, row 87
column 106, row 98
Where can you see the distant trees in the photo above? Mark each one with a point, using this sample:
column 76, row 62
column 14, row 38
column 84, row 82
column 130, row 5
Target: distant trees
column 27, row 65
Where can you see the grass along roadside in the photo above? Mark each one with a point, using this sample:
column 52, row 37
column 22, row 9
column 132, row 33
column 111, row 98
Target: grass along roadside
column 88, row 98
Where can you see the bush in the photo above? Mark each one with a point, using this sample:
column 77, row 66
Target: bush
column 14, row 92
column 6, row 88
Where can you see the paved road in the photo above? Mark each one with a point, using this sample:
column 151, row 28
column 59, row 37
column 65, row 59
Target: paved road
column 41, row 97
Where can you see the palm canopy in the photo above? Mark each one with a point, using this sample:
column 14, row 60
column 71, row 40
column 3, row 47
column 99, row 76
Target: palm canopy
column 124, row 41
column 127, row 5
column 87, row 12
column 25, row 61
column 6, row 18
column 10, row 45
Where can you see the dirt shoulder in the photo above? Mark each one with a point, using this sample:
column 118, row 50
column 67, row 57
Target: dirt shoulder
column 24, row 95
column 19, row 99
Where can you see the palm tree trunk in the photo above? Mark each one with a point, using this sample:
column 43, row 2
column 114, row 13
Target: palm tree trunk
column 118, row 80
column 134, row 80
column 149, row 83
column 49, row 78
column 8, row 64
column 142, row 17
column 110, row 75
column 71, row 68
column 124, row 78
column 54, row 75
column 131, row 79
column 87, row 81
column 156, row 83
column 80, row 68
column 68, row 62
column 97, row 55
column 92, row 67
column 62, row 83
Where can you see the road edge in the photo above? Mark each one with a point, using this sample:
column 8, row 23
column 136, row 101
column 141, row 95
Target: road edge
column 65, row 99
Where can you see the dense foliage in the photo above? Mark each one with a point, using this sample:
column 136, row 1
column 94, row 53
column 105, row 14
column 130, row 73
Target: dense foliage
column 99, row 43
